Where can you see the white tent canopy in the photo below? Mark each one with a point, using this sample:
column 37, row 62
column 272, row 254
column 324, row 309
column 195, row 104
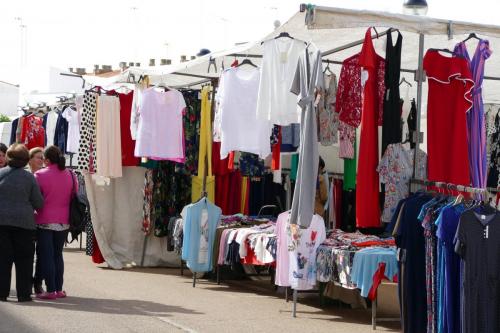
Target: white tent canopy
column 331, row 28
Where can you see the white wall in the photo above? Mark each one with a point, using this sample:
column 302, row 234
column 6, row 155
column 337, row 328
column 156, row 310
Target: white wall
column 9, row 97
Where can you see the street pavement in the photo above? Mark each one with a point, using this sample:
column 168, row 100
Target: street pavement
column 161, row 300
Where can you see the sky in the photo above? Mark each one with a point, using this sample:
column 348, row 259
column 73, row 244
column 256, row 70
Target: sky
column 68, row 33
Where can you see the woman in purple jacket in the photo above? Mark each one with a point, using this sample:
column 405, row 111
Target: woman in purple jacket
column 58, row 185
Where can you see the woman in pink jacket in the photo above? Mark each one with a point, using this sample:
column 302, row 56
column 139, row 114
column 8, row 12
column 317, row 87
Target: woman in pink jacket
column 57, row 185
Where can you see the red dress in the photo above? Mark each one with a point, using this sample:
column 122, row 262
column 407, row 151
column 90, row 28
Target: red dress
column 449, row 99
column 33, row 133
column 128, row 145
column 367, row 191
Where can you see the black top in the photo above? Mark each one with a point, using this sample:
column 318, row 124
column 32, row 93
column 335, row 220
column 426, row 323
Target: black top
column 478, row 243
column 392, row 130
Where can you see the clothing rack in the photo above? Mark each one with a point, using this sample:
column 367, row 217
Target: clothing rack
column 454, row 187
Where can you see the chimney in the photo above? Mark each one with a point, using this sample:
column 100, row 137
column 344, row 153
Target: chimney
column 131, row 64
column 193, row 57
column 183, row 58
column 151, row 62
column 137, row 64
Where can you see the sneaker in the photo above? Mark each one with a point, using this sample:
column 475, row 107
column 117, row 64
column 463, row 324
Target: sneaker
column 47, row 295
column 60, row 294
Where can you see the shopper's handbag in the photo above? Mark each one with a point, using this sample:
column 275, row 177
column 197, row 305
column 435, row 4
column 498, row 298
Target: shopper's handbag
column 77, row 211
column 205, row 154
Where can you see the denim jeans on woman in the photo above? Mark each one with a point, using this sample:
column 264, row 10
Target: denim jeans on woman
column 50, row 246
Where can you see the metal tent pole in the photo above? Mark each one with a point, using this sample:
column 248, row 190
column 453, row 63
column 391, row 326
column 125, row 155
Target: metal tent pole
column 294, row 311
column 419, row 76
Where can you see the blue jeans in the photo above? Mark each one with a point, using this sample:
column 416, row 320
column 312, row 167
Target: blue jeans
column 50, row 247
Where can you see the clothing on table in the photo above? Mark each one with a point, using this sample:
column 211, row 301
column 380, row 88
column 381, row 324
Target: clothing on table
column 302, row 246
column 108, row 137
column 200, row 222
column 391, row 127
column 349, row 93
column 240, row 128
column 73, row 139
column 307, row 82
column 50, row 122
column 347, row 146
column 450, row 86
column 32, row 134
column 87, row 150
column 160, row 133
column 396, row 170
column 477, row 244
column 367, row 180
column 126, row 141
column 366, row 263
column 327, row 117
column 275, row 103
column 476, row 128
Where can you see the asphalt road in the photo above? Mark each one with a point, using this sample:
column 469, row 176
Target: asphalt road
column 161, row 300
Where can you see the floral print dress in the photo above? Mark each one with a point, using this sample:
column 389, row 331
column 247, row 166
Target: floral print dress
column 396, row 170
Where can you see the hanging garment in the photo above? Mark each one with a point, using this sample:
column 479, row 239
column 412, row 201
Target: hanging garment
column 73, row 139
column 367, row 180
column 337, row 201
column 412, row 273
column 32, row 134
column 478, row 239
column 200, row 222
column 494, row 165
column 349, row 101
column 302, row 246
column 61, row 133
column 447, row 229
column 240, row 128
column 290, row 138
column 86, row 151
column 13, row 129
column 127, row 144
column 136, row 106
column 275, row 103
column 347, row 147
column 391, row 126
column 350, row 168
column 476, row 128
column 108, row 137
column 191, row 121
column 405, row 112
column 147, row 207
column 308, row 80
column 450, row 84
column 160, row 133
column 327, row 117
column 205, row 153
column 50, row 122
column 396, row 170
column 282, row 278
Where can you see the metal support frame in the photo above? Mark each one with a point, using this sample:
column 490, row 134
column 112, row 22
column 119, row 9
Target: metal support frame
column 420, row 77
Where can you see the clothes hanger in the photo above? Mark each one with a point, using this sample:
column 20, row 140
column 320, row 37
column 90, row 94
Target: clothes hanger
column 327, row 68
column 442, row 50
column 246, row 61
column 403, row 80
column 283, row 34
column 471, row 36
